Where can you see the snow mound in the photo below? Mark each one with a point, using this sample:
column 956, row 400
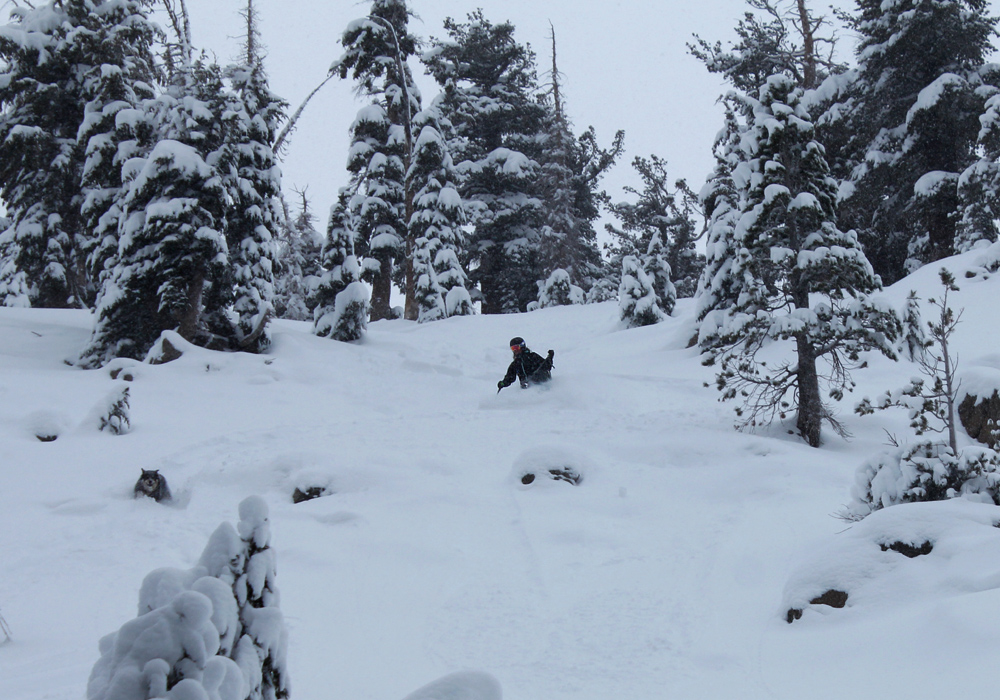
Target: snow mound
column 899, row 556
column 47, row 425
column 465, row 685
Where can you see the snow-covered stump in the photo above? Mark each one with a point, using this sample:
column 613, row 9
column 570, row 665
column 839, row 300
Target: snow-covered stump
column 213, row 632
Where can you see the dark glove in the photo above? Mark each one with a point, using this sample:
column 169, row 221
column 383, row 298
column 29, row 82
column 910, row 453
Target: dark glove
column 500, row 385
column 551, row 354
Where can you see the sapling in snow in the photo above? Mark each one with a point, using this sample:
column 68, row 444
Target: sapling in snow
column 116, row 420
column 931, row 404
column 928, row 470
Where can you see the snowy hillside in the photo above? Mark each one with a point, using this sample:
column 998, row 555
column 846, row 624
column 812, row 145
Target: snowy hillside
column 667, row 572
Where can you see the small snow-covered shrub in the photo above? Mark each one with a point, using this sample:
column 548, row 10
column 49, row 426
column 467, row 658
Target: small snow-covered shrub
column 925, row 471
column 559, row 290
column 170, row 652
column 213, row 632
column 638, row 304
column 116, row 418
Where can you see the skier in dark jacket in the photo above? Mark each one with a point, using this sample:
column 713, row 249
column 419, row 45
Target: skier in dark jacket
column 528, row 367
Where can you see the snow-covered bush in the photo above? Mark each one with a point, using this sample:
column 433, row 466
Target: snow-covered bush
column 929, row 470
column 170, row 652
column 559, row 290
column 637, row 301
column 214, row 632
column 925, row 471
column 115, row 418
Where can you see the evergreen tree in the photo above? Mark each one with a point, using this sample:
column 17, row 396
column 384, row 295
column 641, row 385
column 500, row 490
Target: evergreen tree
column 215, row 631
column 718, row 289
column 376, row 50
column 656, row 265
column 571, row 169
column 776, row 37
column 436, row 225
column 298, row 265
column 58, row 62
column 804, row 279
column 660, row 220
column 340, row 299
column 489, row 87
column 252, row 179
column 559, row 290
column 638, row 304
column 979, row 184
column 263, row 645
column 912, row 112
column 123, row 39
column 171, row 261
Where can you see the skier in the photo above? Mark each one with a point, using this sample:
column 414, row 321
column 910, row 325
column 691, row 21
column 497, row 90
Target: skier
column 528, row 367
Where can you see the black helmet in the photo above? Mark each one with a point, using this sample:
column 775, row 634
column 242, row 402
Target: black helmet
column 517, row 342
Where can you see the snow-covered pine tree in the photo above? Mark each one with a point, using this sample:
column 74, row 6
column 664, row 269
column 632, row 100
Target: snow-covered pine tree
column 214, row 631
column 170, row 652
column 44, row 90
column 774, row 37
column 121, row 46
column 436, row 225
column 571, row 170
column 559, row 290
column 376, row 50
column 638, row 304
column 340, row 298
column 979, row 184
column 914, row 339
column 718, row 289
column 300, row 250
column 929, row 469
column 804, row 279
column 251, row 176
column 489, row 87
column 263, row 645
column 660, row 273
column 913, row 112
column 171, row 262
column 660, row 219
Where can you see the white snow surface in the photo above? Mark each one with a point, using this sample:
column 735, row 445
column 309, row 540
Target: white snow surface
column 667, row 572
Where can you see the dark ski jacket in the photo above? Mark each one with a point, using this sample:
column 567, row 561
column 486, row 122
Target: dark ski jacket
column 528, row 368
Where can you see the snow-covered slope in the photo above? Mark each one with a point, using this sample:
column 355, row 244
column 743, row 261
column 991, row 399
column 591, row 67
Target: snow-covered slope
column 667, row 572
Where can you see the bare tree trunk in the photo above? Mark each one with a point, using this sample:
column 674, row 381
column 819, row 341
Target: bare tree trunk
column 188, row 322
column 382, row 288
column 810, row 413
column 807, row 28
